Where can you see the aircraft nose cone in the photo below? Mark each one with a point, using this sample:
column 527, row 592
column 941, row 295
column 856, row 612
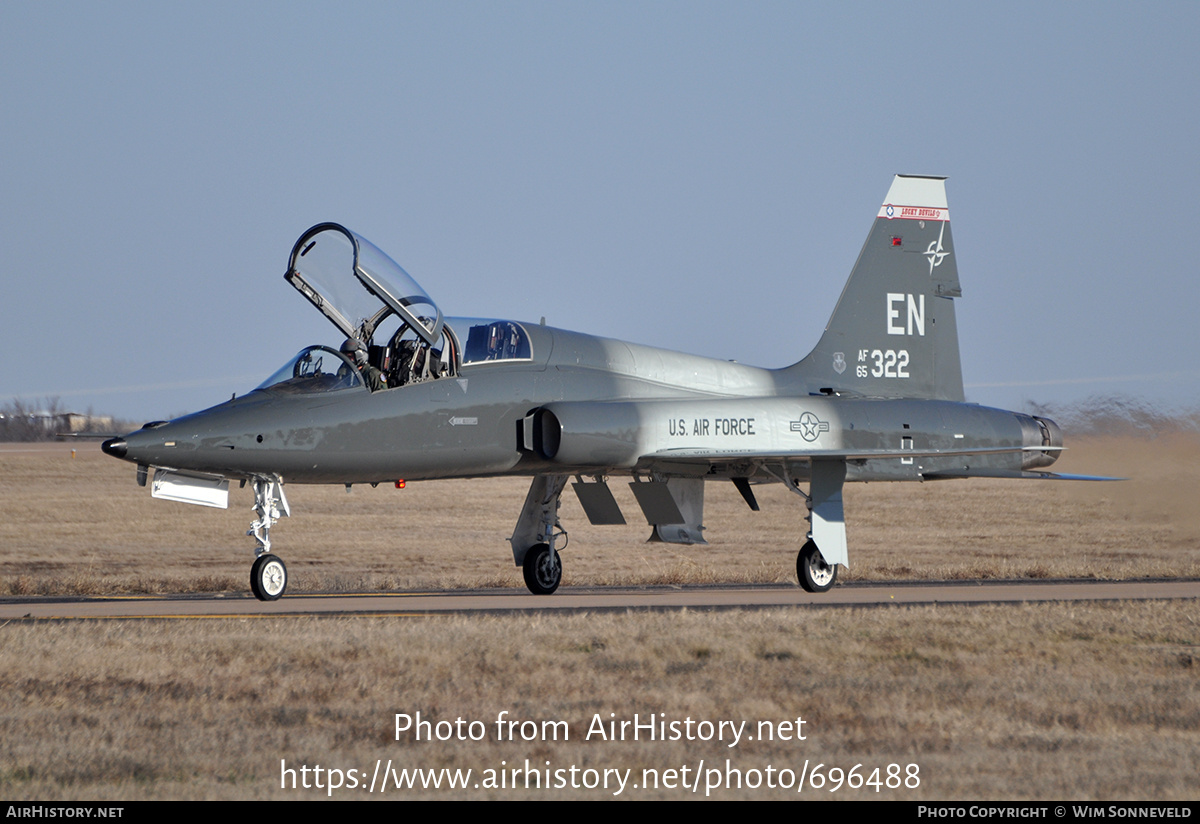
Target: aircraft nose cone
column 115, row 447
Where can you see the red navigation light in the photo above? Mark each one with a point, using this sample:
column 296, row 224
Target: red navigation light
column 895, row 241
column 399, row 484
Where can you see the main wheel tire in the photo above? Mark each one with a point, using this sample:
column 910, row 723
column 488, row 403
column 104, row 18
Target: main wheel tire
column 268, row 578
column 815, row 575
column 543, row 569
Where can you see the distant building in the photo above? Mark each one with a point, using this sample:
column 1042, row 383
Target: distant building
column 18, row 423
column 70, row 421
column 75, row 422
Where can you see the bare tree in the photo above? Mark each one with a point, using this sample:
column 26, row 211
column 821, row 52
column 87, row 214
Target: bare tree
column 25, row 422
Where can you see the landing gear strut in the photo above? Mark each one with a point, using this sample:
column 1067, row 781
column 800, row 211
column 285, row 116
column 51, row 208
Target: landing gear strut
column 537, row 533
column 268, row 576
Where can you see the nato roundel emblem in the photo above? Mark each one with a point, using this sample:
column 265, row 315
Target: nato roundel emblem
column 890, row 211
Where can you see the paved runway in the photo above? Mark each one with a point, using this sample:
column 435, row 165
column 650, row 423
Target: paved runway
column 599, row 599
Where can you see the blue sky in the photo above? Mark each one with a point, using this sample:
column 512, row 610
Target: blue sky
column 698, row 176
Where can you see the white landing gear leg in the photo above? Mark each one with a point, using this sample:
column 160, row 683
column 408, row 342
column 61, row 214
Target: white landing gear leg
column 536, row 535
column 268, row 576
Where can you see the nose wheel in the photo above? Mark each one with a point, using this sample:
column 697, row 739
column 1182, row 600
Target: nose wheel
column 268, row 578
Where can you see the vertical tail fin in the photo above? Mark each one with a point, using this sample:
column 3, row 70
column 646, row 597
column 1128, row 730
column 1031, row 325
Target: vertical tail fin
column 893, row 333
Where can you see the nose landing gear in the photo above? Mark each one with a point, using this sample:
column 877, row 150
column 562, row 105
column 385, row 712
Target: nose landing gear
column 268, row 576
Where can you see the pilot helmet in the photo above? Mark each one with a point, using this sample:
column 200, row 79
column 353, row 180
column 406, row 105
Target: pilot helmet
column 354, row 349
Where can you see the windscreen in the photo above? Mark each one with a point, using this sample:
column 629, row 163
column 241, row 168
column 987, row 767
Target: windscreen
column 315, row 369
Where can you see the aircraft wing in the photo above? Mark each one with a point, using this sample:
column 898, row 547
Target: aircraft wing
column 655, row 435
column 693, row 456
column 828, row 471
column 724, row 455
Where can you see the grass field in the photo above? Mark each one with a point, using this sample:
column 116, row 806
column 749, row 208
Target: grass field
column 1095, row 701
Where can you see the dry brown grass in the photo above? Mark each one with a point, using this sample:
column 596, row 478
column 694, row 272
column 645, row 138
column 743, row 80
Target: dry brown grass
column 81, row 526
column 1085, row 701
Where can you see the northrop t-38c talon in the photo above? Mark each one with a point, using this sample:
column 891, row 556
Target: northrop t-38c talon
column 413, row 395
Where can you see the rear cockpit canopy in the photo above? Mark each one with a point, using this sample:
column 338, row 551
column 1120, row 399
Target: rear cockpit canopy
column 372, row 300
column 489, row 341
column 357, row 286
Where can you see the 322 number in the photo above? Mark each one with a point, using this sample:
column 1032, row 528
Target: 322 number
column 889, row 364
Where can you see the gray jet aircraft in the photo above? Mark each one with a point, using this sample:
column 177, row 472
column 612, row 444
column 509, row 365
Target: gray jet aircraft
column 413, row 395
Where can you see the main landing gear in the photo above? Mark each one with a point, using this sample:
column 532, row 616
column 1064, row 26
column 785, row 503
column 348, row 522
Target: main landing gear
column 535, row 540
column 543, row 569
column 826, row 524
column 815, row 575
column 268, row 576
column 537, row 533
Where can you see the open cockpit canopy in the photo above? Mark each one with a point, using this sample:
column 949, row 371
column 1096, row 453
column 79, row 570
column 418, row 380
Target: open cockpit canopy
column 387, row 316
column 357, row 286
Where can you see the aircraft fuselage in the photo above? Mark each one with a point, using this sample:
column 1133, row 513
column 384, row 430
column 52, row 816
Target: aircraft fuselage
column 613, row 403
